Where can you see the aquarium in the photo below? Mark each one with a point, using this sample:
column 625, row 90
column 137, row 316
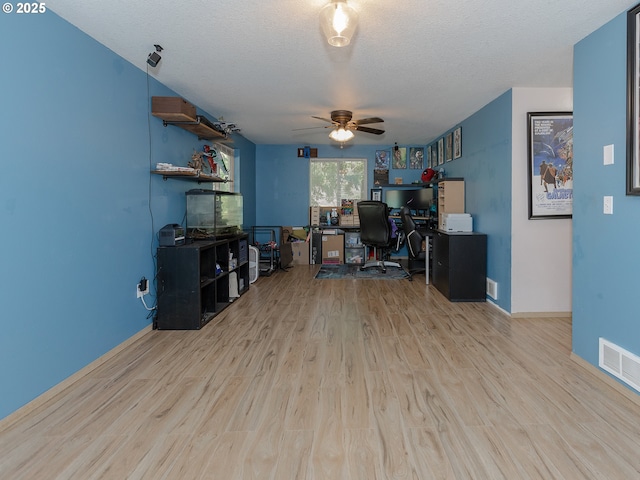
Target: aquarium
column 212, row 214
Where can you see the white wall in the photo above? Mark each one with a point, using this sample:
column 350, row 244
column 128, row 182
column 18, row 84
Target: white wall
column 541, row 249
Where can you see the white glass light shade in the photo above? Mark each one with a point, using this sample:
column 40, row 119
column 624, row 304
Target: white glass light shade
column 341, row 135
column 338, row 21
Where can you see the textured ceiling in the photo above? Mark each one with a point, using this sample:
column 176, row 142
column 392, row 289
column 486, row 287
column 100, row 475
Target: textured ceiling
column 422, row 65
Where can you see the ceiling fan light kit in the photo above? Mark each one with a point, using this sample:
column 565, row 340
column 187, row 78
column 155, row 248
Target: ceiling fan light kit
column 344, row 126
column 339, row 22
column 341, row 135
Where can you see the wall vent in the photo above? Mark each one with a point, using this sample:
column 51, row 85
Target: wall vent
column 492, row 288
column 620, row 363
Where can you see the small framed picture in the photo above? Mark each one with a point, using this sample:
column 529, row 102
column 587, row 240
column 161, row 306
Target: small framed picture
column 429, row 164
column 376, row 194
column 441, row 151
column 448, row 152
column 457, row 143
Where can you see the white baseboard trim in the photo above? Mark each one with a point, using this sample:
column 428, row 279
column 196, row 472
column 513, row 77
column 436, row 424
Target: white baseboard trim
column 542, row 314
column 617, row 386
column 495, row 305
column 25, row 410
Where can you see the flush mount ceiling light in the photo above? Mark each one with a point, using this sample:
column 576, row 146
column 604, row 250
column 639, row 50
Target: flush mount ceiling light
column 338, row 21
column 341, row 135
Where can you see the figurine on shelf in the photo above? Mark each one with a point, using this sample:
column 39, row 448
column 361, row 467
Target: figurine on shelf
column 210, row 153
column 197, row 163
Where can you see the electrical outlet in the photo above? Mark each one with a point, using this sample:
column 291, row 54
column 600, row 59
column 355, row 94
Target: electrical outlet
column 142, row 288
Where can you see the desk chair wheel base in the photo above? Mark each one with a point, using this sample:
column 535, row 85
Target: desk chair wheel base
column 382, row 265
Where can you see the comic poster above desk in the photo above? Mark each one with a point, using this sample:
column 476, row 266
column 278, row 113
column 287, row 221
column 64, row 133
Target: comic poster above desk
column 550, row 143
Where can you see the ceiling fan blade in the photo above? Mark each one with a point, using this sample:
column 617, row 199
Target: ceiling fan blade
column 375, row 131
column 323, row 119
column 311, row 128
column 365, row 121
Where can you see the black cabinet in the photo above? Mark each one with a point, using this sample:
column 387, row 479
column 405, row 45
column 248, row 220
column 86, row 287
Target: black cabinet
column 460, row 265
column 198, row 280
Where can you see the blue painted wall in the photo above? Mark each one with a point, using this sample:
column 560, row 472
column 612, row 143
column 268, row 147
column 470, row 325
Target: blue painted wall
column 606, row 259
column 79, row 206
column 485, row 165
column 283, row 188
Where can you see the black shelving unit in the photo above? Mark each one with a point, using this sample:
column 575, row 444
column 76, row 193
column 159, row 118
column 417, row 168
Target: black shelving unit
column 191, row 288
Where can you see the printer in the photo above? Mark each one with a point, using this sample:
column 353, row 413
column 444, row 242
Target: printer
column 457, row 222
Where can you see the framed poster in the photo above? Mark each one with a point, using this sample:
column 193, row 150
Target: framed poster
column 441, row 151
column 457, row 143
column 550, row 145
column 382, row 159
column 399, row 157
column 448, row 152
column 416, row 158
column 429, row 164
column 633, row 99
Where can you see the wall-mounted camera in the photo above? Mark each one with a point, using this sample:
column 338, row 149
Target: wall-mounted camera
column 154, row 57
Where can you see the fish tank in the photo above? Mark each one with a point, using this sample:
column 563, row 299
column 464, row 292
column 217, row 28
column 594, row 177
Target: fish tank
column 212, row 214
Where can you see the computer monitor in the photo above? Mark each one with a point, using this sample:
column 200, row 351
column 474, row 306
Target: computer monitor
column 417, row 200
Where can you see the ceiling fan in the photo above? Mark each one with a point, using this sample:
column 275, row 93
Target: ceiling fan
column 343, row 125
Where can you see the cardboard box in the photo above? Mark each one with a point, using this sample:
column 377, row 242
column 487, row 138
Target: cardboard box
column 173, row 109
column 300, row 253
column 346, row 220
column 333, row 249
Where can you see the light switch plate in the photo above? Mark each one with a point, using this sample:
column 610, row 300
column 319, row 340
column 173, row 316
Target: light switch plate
column 608, row 205
column 608, row 154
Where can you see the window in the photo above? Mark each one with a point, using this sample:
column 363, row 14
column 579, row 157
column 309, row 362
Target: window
column 332, row 179
column 226, row 168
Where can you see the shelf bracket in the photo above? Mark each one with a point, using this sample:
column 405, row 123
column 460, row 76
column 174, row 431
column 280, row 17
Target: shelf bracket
column 195, row 122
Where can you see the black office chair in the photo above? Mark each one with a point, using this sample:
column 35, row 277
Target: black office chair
column 417, row 255
column 375, row 232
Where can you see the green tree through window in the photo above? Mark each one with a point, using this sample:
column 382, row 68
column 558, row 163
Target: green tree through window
column 333, row 179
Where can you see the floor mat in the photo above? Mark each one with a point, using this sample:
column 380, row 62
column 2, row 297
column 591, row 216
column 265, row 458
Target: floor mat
column 353, row 271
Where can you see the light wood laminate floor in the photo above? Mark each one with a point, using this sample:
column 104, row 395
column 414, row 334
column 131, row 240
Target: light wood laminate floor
column 336, row 379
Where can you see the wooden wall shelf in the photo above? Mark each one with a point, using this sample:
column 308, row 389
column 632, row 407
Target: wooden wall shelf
column 190, row 176
column 177, row 111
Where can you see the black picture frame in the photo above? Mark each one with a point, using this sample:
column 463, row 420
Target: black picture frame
column 457, row 143
column 633, row 99
column 550, row 164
